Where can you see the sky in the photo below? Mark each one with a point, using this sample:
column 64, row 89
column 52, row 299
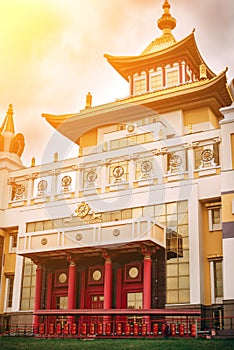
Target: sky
column 52, row 55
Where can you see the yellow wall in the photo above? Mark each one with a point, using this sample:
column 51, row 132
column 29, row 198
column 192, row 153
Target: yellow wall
column 227, row 215
column 88, row 139
column 200, row 115
column 8, row 268
column 212, row 246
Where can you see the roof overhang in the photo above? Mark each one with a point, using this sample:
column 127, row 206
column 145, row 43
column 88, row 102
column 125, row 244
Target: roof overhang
column 212, row 93
column 185, row 49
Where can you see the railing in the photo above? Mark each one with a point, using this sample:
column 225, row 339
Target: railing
column 113, row 323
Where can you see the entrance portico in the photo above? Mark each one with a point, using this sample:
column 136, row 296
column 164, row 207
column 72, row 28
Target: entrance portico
column 91, row 277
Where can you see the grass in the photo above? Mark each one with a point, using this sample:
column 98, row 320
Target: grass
column 10, row 343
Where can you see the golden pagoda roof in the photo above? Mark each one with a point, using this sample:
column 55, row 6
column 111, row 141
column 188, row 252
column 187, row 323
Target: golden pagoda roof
column 185, row 49
column 210, row 92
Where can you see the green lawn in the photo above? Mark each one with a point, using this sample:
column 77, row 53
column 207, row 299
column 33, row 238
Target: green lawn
column 10, row 343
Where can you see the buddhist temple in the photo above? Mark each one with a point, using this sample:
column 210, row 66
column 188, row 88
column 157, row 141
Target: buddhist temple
column 137, row 230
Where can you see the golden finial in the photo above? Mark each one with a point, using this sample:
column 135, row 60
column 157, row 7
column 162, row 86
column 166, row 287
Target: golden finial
column 33, row 162
column 55, row 156
column 166, row 22
column 88, row 100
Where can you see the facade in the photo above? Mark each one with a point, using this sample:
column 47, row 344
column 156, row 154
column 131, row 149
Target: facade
column 143, row 218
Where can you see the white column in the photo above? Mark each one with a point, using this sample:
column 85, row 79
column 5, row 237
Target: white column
column 212, row 286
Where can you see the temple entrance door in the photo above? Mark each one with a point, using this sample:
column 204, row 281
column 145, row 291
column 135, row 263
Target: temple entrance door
column 96, row 302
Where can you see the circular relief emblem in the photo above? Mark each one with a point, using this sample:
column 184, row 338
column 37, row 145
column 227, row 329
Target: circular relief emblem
column 79, row 237
column 133, row 272
column 42, row 185
column 44, row 241
column 20, row 189
column 175, row 160
column 96, row 275
column 91, row 176
column 62, row 278
column 146, row 166
column 207, row 155
column 116, row 232
column 118, row 171
column 66, row 181
column 130, row 128
column 82, row 209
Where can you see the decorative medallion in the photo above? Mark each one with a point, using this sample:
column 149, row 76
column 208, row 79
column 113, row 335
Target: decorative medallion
column 130, row 128
column 44, row 241
column 79, row 236
column 116, row 232
column 62, row 278
column 175, row 161
column 146, row 166
column 19, row 190
column 96, row 275
column 91, row 176
column 118, row 171
column 66, row 181
column 133, row 272
column 207, row 155
column 42, row 185
column 82, row 210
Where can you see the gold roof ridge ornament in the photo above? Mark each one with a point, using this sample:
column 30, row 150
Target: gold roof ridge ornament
column 166, row 23
column 83, row 210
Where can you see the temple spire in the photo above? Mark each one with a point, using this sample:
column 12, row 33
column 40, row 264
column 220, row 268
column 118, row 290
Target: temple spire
column 166, row 23
column 9, row 141
column 8, row 123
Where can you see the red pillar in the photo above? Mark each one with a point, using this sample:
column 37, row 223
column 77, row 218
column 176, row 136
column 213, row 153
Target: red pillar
column 108, row 284
column 180, row 72
column 107, row 290
column 147, row 289
column 163, row 76
column 147, row 282
column 147, row 80
column 37, row 298
column 131, row 85
column 71, row 289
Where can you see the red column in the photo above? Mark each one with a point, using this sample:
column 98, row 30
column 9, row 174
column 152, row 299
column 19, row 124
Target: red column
column 107, row 290
column 147, row 288
column 108, row 284
column 180, row 72
column 147, row 282
column 71, row 289
column 131, row 85
column 37, row 298
column 163, row 76
column 147, row 80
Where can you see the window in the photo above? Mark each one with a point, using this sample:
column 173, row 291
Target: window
column 135, row 300
column 61, row 302
column 28, row 285
column 175, row 217
column 139, row 86
column 12, row 243
column 218, row 279
column 215, row 221
column 172, row 78
column 156, row 82
column 9, row 291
